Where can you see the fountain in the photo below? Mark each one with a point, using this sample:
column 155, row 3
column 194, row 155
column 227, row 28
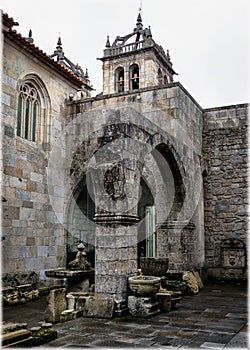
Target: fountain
column 77, row 278
column 144, row 286
column 154, row 266
column 149, row 298
column 79, row 275
column 143, row 302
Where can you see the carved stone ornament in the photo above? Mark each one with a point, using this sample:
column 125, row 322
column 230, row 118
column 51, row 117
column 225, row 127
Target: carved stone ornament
column 233, row 251
column 114, row 181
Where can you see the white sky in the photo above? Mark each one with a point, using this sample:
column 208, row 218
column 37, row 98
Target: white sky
column 208, row 40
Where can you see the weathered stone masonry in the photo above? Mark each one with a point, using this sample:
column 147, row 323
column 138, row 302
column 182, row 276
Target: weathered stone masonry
column 33, row 239
column 143, row 133
column 225, row 182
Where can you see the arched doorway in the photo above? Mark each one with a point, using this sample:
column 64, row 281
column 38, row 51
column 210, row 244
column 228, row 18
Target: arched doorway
column 147, row 227
column 80, row 225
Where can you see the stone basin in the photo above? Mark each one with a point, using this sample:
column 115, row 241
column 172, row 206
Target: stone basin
column 65, row 273
column 154, row 266
column 144, row 286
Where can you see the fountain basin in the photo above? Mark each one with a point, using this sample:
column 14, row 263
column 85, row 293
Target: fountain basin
column 154, row 266
column 144, row 286
column 64, row 273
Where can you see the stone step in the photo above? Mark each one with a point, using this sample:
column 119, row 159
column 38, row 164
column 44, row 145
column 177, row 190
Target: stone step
column 13, row 337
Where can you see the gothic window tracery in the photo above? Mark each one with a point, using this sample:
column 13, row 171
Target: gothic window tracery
column 28, row 111
column 33, row 118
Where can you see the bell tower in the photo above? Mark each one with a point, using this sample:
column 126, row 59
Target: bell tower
column 135, row 61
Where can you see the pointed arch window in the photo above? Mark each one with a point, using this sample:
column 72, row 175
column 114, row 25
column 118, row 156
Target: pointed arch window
column 33, row 111
column 29, row 107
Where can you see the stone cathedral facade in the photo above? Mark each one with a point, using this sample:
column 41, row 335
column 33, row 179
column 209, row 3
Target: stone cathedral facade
column 139, row 170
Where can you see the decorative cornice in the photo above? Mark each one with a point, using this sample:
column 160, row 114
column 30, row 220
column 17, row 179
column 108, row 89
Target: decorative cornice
column 115, row 219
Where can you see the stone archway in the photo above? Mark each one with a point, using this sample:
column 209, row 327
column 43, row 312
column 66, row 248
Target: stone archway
column 80, row 224
column 116, row 155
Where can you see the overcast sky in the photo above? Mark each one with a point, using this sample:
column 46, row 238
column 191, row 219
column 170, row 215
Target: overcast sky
column 208, row 40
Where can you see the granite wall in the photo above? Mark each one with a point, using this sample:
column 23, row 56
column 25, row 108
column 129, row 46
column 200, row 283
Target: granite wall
column 33, row 237
column 225, row 190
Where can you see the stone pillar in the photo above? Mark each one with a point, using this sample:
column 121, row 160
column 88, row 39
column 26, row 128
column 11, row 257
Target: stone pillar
column 116, row 187
column 116, row 257
column 56, row 303
column 126, row 80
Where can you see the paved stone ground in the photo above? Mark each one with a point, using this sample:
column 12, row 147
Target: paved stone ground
column 216, row 318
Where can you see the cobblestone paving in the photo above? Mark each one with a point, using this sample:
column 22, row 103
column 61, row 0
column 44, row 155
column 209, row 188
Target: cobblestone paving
column 216, row 318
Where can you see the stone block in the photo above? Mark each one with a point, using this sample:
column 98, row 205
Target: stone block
column 22, row 195
column 9, row 170
column 9, row 131
column 164, row 299
column 198, row 279
column 36, row 177
column 18, row 183
column 67, row 315
column 6, row 99
column 31, row 186
column 27, row 214
column 81, row 302
column 111, row 284
column 27, row 204
column 191, row 282
column 42, row 251
column 71, row 301
column 103, row 308
column 31, row 241
column 15, row 336
column 143, row 306
column 11, row 212
column 56, row 304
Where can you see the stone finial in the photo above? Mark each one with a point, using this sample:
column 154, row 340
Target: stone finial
column 139, row 19
column 81, row 247
column 168, row 56
column 30, row 39
column 149, row 32
column 80, row 262
column 59, row 44
column 108, row 42
column 139, row 25
column 86, row 76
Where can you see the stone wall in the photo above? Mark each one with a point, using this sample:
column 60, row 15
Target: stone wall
column 131, row 125
column 33, row 236
column 225, row 190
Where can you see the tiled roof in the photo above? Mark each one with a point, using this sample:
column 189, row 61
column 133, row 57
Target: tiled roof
column 29, row 47
column 8, row 21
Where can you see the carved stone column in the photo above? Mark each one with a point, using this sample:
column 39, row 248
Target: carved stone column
column 116, row 187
